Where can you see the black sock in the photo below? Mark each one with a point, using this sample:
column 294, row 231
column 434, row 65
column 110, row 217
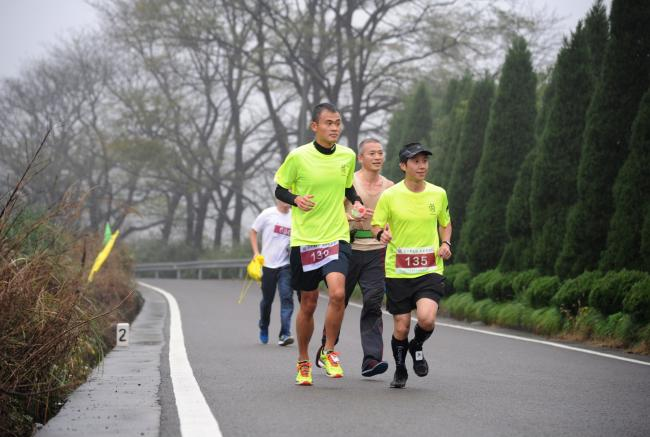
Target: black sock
column 399, row 350
column 421, row 335
column 324, row 339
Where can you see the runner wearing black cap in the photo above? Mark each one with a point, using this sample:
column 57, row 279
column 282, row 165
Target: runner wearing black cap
column 412, row 218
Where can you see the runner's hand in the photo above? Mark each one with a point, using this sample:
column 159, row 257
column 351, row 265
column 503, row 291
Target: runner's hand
column 444, row 251
column 386, row 236
column 359, row 207
column 304, row 202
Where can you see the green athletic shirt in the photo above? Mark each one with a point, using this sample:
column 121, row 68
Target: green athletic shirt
column 413, row 219
column 305, row 170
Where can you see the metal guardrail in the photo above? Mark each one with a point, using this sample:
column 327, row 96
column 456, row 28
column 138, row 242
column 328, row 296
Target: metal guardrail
column 199, row 266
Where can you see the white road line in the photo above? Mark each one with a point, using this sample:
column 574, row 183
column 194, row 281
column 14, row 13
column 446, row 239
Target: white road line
column 194, row 415
column 530, row 340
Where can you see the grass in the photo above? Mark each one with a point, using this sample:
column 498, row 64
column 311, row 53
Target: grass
column 54, row 326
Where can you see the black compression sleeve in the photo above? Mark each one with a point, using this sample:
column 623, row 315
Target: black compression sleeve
column 352, row 196
column 285, row 195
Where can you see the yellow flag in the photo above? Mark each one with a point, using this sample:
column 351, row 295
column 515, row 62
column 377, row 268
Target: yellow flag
column 102, row 256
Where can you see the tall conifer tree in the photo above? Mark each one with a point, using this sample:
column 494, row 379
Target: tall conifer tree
column 454, row 108
column 624, row 78
column 509, row 137
column 597, row 34
column 553, row 188
column 631, row 200
column 645, row 240
column 468, row 154
column 394, row 143
column 518, row 252
column 412, row 124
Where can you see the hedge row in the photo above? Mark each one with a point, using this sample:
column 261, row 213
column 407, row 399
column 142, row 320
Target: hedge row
column 610, row 293
column 618, row 329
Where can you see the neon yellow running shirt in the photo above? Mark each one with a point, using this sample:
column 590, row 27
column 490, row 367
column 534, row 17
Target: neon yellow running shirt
column 413, row 219
column 304, row 171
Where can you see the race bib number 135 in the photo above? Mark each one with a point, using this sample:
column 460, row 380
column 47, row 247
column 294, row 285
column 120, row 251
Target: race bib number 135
column 415, row 260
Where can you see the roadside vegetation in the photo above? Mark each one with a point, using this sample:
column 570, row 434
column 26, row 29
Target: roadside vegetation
column 54, row 325
column 609, row 309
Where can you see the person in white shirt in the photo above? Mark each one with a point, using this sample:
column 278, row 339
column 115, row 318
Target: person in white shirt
column 274, row 224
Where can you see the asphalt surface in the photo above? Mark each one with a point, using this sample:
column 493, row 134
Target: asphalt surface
column 478, row 384
column 121, row 395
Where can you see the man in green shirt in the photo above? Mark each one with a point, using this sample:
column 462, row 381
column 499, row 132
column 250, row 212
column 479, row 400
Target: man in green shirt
column 315, row 179
column 412, row 218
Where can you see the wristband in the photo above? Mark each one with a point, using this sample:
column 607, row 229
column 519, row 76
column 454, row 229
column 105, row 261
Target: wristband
column 447, row 243
column 379, row 235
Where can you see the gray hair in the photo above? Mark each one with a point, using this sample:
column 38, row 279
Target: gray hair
column 368, row 141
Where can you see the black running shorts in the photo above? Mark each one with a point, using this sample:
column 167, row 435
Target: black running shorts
column 403, row 293
column 308, row 281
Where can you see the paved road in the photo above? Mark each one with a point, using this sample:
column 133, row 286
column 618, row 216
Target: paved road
column 479, row 385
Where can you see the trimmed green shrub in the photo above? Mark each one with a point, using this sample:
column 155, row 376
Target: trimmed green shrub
column 625, row 329
column 637, row 301
column 510, row 315
column 618, row 327
column 610, row 290
column 546, row 321
column 479, row 283
column 484, row 310
column 643, row 337
column 574, row 293
column 540, row 292
column 462, row 280
column 521, row 280
column 451, row 272
column 458, row 305
column 493, row 282
column 500, row 288
column 586, row 321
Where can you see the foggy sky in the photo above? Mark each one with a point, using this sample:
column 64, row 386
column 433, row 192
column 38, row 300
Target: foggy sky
column 29, row 27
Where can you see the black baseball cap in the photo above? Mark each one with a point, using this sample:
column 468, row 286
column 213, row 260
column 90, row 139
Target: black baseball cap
column 410, row 150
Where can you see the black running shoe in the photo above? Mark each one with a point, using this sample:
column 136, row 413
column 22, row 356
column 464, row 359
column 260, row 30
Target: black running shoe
column 374, row 367
column 420, row 365
column 399, row 380
column 319, row 363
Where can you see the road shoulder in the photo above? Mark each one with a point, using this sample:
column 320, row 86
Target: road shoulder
column 121, row 397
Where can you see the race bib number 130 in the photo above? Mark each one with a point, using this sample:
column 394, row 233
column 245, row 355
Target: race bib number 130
column 314, row 257
column 415, row 260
